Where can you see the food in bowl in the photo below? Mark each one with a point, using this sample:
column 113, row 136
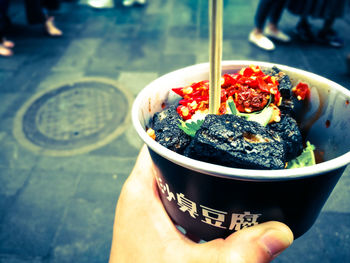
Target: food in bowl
column 255, row 127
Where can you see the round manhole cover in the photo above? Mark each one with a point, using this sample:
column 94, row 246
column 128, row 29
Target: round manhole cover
column 73, row 118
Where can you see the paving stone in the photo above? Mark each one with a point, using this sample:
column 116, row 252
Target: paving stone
column 103, row 58
column 10, row 64
column 327, row 241
column 6, row 100
column 330, row 69
column 126, row 146
column 61, row 209
column 159, row 6
column 235, row 14
column 134, row 82
column 59, row 78
column 154, row 22
column 339, row 199
column 13, row 155
column 152, row 37
column 176, row 61
column 77, row 54
column 4, row 76
column 125, row 32
column 30, row 225
column 102, row 189
column 96, row 27
column 11, row 182
column 15, row 81
column 109, row 73
column 183, row 15
column 86, row 163
column 184, row 31
column 130, row 15
column 185, row 46
column 289, row 55
column 11, row 106
column 86, row 235
column 16, row 259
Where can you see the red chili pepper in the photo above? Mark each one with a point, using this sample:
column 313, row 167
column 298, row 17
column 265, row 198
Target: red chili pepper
column 228, row 81
column 250, row 88
column 263, row 85
column 178, row 91
column 301, row 91
column 248, row 72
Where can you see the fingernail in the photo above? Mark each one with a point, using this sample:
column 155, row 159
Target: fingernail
column 277, row 240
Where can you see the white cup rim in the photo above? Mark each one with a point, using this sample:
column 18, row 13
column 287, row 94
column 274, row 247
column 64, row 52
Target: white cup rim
column 237, row 173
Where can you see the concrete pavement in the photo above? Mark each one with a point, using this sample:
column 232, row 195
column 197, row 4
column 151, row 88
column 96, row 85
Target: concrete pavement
column 61, row 169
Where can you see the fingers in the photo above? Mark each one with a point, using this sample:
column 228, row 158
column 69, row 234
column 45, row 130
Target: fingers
column 257, row 244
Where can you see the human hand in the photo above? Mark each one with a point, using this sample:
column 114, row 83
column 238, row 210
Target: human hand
column 143, row 231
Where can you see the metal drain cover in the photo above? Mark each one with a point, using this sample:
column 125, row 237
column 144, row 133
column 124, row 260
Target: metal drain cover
column 73, row 118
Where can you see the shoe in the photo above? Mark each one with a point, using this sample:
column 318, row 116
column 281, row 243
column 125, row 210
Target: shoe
column 330, row 38
column 5, row 52
column 101, row 3
column 7, row 43
column 261, row 41
column 51, row 29
column 277, row 34
column 141, row 2
column 303, row 31
column 128, row 2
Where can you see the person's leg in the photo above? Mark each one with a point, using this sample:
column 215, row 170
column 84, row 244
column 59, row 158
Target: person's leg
column 262, row 12
column 50, row 4
column 328, row 24
column 276, row 11
column 303, row 28
column 5, row 45
column 328, row 35
column 256, row 35
column 34, row 12
column 37, row 13
column 271, row 29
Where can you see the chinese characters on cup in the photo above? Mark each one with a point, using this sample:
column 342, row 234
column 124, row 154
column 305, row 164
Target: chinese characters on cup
column 208, row 215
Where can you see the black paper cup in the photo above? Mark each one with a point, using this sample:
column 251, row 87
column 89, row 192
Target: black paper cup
column 211, row 201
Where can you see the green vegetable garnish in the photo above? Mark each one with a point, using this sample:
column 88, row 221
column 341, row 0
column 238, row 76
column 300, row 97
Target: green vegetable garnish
column 233, row 108
column 190, row 128
column 262, row 117
column 306, row 158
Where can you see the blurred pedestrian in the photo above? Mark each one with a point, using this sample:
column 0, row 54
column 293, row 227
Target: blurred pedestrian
column 327, row 10
column 128, row 3
column 5, row 45
column 101, row 3
column 38, row 12
column 268, row 10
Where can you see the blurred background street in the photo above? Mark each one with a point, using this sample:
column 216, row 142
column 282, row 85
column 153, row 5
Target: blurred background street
column 66, row 140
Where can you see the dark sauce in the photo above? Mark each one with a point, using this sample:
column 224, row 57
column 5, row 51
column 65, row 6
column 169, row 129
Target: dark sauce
column 319, row 155
column 305, row 124
column 328, row 123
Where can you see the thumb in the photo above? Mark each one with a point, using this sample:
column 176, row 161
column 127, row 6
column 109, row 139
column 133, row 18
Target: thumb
column 257, row 244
